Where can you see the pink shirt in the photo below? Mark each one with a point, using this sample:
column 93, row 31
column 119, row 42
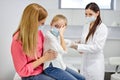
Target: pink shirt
column 23, row 63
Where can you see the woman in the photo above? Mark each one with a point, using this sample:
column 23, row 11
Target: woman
column 27, row 45
column 92, row 42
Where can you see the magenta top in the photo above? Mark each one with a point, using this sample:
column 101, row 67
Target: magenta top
column 23, row 63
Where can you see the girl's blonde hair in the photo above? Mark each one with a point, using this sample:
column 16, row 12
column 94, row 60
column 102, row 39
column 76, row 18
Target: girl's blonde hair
column 28, row 27
column 59, row 17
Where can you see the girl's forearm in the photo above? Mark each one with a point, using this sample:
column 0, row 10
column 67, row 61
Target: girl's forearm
column 62, row 41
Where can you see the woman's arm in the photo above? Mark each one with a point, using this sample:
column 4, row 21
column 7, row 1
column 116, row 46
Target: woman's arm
column 48, row 55
column 22, row 66
column 98, row 42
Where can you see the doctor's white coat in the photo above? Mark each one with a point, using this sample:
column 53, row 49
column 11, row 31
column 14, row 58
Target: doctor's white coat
column 93, row 58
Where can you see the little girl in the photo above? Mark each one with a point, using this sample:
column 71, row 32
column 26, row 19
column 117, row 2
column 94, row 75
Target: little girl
column 54, row 40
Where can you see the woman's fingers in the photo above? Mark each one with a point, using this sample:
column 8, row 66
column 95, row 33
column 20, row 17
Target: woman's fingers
column 81, row 52
column 74, row 45
column 52, row 53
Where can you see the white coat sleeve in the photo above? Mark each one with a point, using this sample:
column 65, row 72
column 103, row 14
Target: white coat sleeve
column 97, row 44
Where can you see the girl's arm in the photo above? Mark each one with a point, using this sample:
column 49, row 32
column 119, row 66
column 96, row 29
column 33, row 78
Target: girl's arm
column 62, row 41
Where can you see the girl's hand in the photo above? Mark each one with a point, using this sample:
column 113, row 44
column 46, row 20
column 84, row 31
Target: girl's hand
column 62, row 29
column 50, row 55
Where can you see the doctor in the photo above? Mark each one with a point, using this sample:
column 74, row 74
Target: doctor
column 92, row 42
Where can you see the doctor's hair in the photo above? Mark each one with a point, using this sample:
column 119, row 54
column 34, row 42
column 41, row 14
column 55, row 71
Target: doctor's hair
column 95, row 8
column 28, row 27
column 59, row 17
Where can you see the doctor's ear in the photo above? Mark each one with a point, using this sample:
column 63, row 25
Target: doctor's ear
column 98, row 13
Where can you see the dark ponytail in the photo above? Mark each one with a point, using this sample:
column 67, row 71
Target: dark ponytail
column 94, row 7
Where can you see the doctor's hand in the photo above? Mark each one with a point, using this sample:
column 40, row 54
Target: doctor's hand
column 49, row 55
column 74, row 46
column 81, row 52
column 77, row 41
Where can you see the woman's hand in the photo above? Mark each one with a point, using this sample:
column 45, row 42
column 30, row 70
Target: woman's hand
column 81, row 52
column 74, row 46
column 77, row 41
column 49, row 55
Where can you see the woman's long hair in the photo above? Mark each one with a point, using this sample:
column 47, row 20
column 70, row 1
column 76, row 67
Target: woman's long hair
column 94, row 7
column 28, row 27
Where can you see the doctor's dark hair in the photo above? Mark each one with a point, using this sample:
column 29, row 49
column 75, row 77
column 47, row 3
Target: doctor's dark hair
column 95, row 8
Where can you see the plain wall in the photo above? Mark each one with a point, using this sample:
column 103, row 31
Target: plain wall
column 10, row 15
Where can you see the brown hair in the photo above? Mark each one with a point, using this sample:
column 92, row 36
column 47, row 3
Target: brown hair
column 28, row 27
column 94, row 7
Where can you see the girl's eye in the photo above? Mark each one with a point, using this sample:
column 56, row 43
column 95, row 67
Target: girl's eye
column 57, row 26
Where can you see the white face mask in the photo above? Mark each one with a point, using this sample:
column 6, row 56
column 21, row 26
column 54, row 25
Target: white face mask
column 55, row 31
column 90, row 19
column 40, row 27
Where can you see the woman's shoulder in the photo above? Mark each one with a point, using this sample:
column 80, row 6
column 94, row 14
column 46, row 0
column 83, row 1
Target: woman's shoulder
column 15, row 39
column 40, row 33
column 102, row 27
column 15, row 36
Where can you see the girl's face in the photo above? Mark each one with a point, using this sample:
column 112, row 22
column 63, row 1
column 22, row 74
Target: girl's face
column 58, row 24
column 89, row 13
